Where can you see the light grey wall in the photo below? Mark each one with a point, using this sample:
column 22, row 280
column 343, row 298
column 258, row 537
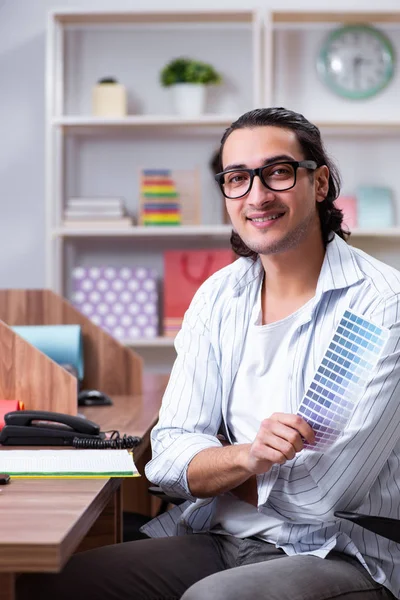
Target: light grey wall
column 22, row 164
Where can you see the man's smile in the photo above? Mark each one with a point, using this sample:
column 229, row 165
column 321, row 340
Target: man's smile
column 264, row 219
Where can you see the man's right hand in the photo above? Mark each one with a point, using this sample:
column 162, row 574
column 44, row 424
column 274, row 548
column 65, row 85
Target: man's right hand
column 279, row 439
column 215, row 471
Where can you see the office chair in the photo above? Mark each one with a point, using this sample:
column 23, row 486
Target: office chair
column 132, row 522
column 384, row 526
column 166, row 500
column 388, row 528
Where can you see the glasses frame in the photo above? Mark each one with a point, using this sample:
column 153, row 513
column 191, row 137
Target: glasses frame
column 306, row 164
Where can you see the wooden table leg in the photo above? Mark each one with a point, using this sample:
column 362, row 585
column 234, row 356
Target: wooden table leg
column 118, row 516
column 108, row 527
column 7, row 586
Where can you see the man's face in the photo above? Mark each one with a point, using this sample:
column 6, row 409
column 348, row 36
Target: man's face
column 272, row 222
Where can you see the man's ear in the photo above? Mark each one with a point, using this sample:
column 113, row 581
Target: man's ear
column 321, row 183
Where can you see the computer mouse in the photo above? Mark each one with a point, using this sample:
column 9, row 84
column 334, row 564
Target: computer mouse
column 93, row 398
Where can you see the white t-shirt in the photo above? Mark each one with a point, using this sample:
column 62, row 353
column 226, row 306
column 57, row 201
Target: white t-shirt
column 258, row 391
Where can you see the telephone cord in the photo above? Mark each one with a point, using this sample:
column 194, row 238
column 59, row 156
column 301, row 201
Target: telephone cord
column 115, row 441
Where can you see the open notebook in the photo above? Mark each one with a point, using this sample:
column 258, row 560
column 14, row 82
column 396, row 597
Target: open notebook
column 66, row 464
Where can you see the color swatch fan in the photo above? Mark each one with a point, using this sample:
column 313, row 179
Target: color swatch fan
column 340, row 380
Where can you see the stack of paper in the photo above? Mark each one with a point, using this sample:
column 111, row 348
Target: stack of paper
column 96, row 212
column 66, row 464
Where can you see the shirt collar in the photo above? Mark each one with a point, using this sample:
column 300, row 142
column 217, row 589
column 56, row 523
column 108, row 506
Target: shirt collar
column 339, row 270
column 250, row 271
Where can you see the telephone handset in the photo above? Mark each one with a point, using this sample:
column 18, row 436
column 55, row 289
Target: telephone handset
column 43, row 428
column 37, row 427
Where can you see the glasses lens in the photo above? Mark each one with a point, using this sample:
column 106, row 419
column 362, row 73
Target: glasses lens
column 279, row 176
column 236, row 183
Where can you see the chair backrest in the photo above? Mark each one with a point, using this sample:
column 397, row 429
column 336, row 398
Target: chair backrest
column 388, row 528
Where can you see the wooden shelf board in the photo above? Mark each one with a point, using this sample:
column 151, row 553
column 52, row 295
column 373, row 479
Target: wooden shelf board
column 387, row 128
column 161, row 341
column 95, row 124
column 342, row 17
column 191, row 230
column 389, row 232
column 74, row 17
column 143, row 231
column 143, row 121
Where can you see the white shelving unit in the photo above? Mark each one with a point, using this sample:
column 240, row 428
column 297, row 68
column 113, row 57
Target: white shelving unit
column 266, row 58
column 361, row 136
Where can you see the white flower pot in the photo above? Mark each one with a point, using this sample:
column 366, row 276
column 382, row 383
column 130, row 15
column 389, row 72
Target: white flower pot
column 189, row 99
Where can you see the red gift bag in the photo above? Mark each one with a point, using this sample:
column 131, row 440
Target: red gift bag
column 184, row 272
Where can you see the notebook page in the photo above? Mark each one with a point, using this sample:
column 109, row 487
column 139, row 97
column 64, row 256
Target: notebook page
column 67, row 463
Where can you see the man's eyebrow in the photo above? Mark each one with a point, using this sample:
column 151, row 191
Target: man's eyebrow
column 268, row 161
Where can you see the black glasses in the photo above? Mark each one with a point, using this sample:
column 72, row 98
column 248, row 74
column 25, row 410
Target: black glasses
column 278, row 177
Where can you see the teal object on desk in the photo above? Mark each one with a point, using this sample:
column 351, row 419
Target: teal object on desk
column 61, row 343
column 375, row 207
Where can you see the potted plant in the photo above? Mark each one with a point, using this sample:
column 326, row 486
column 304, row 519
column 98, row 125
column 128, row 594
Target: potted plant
column 188, row 79
column 109, row 98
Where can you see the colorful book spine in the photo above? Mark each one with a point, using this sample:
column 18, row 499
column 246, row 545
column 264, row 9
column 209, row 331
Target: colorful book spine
column 161, row 205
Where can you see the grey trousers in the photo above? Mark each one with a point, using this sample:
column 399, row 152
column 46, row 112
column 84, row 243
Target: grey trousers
column 202, row 567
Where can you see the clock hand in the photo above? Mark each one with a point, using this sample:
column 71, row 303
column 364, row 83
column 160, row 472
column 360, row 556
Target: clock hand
column 358, row 61
column 356, row 71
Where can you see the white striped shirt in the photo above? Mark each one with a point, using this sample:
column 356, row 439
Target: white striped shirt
column 360, row 472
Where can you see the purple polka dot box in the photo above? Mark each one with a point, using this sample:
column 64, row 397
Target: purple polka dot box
column 123, row 301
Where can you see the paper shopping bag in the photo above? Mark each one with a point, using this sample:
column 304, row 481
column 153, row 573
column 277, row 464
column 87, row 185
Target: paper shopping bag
column 184, row 272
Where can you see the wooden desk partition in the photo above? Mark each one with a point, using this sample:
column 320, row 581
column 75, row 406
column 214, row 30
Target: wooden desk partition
column 109, row 366
column 31, row 377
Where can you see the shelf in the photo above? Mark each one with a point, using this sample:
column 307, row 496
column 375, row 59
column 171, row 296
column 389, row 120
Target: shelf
column 354, row 128
column 390, row 232
column 157, row 342
column 272, row 48
column 76, row 17
column 193, row 230
column 329, row 16
column 142, row 231
column 89, row 124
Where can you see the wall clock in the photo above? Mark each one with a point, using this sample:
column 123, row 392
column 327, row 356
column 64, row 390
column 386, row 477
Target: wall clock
column 356, row 61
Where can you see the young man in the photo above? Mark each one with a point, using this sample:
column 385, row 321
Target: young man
column 261, row 506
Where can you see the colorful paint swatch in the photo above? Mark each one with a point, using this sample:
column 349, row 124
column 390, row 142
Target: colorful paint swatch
column 340, row 380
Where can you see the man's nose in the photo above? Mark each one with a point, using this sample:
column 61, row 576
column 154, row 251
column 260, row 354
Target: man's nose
column 259, row 194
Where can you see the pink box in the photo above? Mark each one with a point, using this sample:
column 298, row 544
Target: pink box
column 348, row 204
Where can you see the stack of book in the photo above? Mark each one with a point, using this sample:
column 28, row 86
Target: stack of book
column 96, row 212
column 159, row 198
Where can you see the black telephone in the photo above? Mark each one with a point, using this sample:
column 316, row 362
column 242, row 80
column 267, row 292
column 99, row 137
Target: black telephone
column 43, row 428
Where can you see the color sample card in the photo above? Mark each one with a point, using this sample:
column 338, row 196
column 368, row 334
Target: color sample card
column 340, row 380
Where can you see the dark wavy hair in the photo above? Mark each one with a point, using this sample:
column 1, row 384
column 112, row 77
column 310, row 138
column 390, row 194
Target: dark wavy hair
column 309, row 138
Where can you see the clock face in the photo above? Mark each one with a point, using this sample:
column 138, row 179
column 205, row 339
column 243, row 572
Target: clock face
column 356, row 61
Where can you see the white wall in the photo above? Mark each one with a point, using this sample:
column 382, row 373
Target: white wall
column 22, row 64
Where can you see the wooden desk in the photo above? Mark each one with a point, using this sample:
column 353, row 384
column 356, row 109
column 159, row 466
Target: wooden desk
column 42, row 522
column 134, row 415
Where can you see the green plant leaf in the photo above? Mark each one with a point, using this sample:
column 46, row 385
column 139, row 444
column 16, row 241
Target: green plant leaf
column 186, row 70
